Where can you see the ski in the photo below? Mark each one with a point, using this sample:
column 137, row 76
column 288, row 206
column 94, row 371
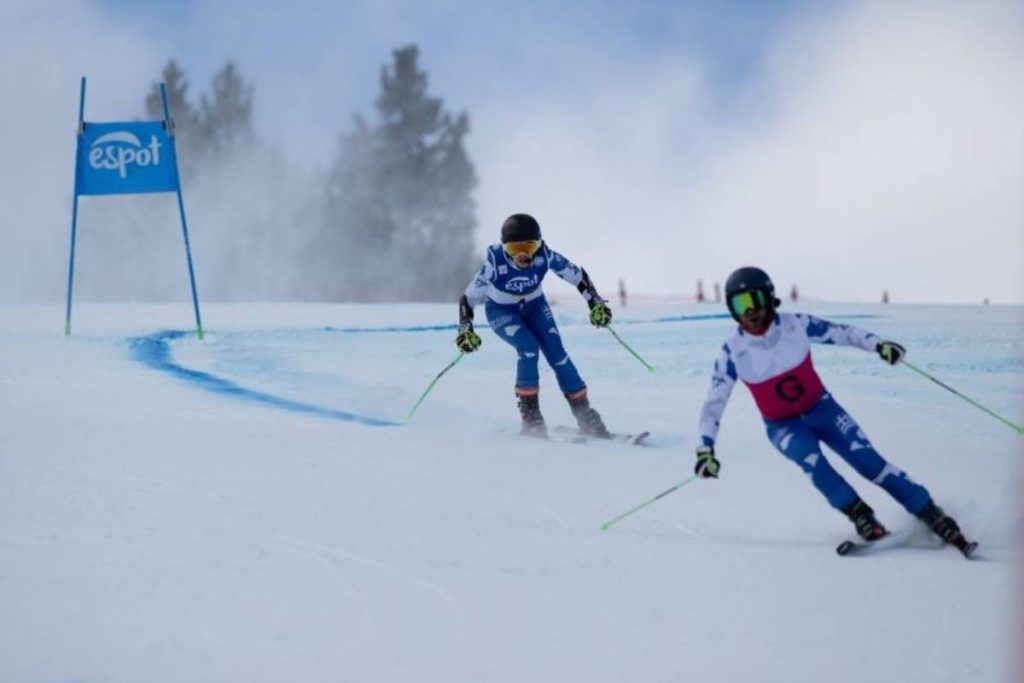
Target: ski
column 892, row 539
column 898, row 539
column 559, row 438
column 966, row 547
column 553, row 438
column 562, row 434
column 638, row 439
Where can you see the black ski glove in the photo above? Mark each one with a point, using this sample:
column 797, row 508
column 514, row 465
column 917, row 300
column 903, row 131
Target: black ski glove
column 467, row 340
column 891, row 352
column 707, row 466
column 600, row 314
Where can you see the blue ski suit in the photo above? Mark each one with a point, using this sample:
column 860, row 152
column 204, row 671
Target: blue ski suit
column 519, row 313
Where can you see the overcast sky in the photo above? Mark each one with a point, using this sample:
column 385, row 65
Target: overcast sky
column 847, row 147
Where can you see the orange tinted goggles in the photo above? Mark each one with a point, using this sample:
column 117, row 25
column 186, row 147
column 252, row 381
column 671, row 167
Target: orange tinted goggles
column 526, row 248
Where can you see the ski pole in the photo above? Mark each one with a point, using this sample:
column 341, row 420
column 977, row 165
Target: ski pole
column 432, row 383
column 650, row 368
column 641, row 506
column 1020, row 430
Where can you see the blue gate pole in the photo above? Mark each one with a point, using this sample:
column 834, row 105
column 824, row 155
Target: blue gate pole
column 181, row 210
column 74, row 207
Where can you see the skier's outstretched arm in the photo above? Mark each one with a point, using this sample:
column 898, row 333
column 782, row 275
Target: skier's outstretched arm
column 820, row 331
column 467, row 339
column 600, row 314
column 723, row 379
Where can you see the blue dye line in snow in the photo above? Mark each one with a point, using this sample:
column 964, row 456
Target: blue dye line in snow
column 420, row 328
column 682, row 318
column 669, row 319
column 155, row 352
column 727, row 316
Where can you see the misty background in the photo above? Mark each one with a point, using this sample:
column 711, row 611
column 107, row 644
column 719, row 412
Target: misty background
column 370, row 151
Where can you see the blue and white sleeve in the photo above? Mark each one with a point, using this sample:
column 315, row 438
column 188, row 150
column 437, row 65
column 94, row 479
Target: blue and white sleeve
column 563, row 267
column 723, row 379
column 476, row 292
column 826, row 332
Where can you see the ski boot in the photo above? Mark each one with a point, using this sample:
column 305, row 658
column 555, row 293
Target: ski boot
column 863, row 518
column 533, row 421
column 588, row 419
column 945, row 527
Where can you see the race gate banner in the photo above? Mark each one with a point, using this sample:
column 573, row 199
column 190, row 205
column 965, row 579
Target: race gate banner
column 125, row 158
column 132, row 157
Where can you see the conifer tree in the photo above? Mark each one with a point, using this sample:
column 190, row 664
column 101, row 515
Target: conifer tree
column 226, row 115
column 183, row 112
column 399, row 195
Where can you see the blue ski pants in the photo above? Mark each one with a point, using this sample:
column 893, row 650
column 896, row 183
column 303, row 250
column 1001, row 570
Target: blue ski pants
column 799, row 439
column 529, row 326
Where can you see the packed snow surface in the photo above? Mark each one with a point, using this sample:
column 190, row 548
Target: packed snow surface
column 252, row 507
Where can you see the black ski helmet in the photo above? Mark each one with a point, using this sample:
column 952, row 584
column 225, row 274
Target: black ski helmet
column 747, row 279
column 520, row 227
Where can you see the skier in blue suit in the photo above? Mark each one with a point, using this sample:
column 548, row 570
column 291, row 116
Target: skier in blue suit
column 509, row 283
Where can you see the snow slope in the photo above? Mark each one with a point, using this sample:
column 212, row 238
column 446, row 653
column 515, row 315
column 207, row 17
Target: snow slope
column 249, row 507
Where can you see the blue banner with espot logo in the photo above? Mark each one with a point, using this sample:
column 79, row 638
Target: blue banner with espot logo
column 125, row 158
